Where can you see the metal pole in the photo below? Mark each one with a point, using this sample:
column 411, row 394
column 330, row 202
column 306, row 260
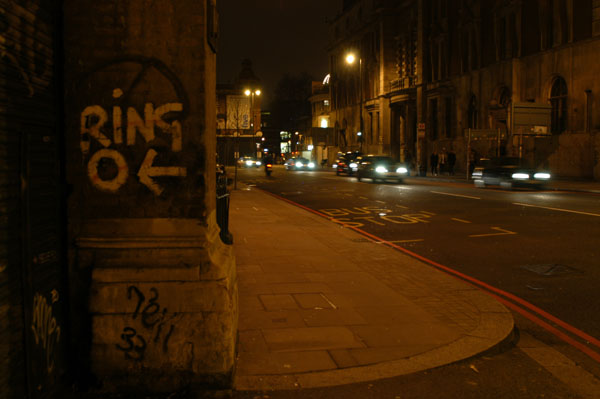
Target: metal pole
column 236, row 150
column 468, row 152
column 360, row 111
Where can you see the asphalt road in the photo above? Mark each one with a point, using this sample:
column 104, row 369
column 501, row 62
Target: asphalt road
column 540, row 247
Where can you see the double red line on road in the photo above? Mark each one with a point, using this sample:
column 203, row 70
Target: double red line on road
column 519, row 305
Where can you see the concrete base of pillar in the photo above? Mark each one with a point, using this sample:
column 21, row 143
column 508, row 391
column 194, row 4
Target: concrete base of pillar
column 163, row 304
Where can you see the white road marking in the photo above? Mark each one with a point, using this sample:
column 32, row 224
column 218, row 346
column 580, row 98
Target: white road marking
column 381, row 202
column 428, row 213
column 460, row 220
column 563, row 368
column 502, row 233
column 455, row 195
column 255, row 208
column 556, row 209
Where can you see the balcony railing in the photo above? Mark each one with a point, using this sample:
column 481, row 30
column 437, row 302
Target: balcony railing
column 406, row 82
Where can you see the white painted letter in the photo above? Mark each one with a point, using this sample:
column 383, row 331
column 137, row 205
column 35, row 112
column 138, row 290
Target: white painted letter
column 92, row 129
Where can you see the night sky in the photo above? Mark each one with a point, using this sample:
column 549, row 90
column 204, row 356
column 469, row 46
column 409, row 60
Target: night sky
column 278, row 36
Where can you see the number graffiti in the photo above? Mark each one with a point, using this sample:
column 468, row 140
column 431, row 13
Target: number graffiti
column 153, row 319
column 46, row 330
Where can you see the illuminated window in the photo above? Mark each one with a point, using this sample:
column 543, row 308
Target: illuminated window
column 324, row 122
column 326, row 103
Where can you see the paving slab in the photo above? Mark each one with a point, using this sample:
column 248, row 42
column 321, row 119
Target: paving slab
column 328, row 307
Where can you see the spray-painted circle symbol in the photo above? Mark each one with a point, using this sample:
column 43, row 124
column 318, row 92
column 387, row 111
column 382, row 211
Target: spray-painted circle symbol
column 113, row 184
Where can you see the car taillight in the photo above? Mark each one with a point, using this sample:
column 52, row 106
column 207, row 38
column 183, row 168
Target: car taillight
column 269, row 165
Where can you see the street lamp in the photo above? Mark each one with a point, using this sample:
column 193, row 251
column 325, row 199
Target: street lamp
column 351, row 59
column 251, row 93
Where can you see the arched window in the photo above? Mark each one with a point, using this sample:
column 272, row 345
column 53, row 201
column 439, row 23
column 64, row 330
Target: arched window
column 558, row 101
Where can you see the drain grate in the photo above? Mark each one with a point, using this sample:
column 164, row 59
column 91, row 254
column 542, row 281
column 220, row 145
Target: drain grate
column 549, row 269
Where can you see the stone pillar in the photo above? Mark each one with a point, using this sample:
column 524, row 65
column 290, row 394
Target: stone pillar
column 154, row 289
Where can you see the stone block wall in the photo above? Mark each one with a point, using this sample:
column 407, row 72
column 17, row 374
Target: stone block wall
column 154, row 289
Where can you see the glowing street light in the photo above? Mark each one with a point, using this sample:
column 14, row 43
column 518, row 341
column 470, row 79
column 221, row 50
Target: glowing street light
column 350, row 59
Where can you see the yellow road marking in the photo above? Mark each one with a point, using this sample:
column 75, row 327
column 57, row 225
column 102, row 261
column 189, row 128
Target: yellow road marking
column 428, row 213
column 502, row 233
column 460, row 220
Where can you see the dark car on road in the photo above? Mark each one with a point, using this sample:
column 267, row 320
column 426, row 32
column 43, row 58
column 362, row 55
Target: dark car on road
column 509, row 172
column 346, row 163
column 380, row 168
column 299, row 164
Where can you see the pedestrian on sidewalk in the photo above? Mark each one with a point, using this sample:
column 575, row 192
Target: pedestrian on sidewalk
column 443, row 161
column 433, row 160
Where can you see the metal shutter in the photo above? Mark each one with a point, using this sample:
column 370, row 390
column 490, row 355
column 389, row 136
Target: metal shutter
column 32, row 295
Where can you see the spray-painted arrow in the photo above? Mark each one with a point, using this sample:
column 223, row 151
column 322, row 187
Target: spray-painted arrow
column 147, row 171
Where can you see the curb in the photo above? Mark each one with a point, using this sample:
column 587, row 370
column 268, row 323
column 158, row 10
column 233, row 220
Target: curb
column 495, row 329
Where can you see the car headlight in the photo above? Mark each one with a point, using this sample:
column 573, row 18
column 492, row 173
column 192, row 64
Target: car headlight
column 541, row 176
column 249, row 163
column 477, row 173
column 258, row 163
column 353, row 165
column 311, row 164
column 402, row 170
column 334, row 166
column 299, row 164
column 520, row 176
column 381, row 169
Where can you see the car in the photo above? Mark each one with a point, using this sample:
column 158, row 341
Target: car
column 509, row 172
column 299, row 164
column 248, row 162
column 380, row 168
column 346, row 163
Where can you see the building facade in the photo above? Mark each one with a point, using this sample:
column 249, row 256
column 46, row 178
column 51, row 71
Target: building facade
column 319, row 136
column 443, row 75
column 239, row 117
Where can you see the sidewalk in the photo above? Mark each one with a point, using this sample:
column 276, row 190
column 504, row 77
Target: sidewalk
column 321, row 305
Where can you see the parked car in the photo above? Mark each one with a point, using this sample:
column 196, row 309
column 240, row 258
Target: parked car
column 380, row 168
column 509, row 172
column 346, row 163
column 299, row 164
column 248, row 162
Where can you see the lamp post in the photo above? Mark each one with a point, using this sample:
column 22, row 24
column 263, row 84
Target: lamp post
column 251, row 93
column 350, row 59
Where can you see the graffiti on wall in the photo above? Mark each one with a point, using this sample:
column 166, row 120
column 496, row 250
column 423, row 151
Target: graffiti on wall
column 24, row 43
column 46, row 330
column 155, row 325
column 93, row 120
column 119, row 125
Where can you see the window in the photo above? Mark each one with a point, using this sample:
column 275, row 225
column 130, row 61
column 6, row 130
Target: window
column 472, row 113
column 326, row 103
column 558, row 101
column 433, row 118
column 448, row 117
